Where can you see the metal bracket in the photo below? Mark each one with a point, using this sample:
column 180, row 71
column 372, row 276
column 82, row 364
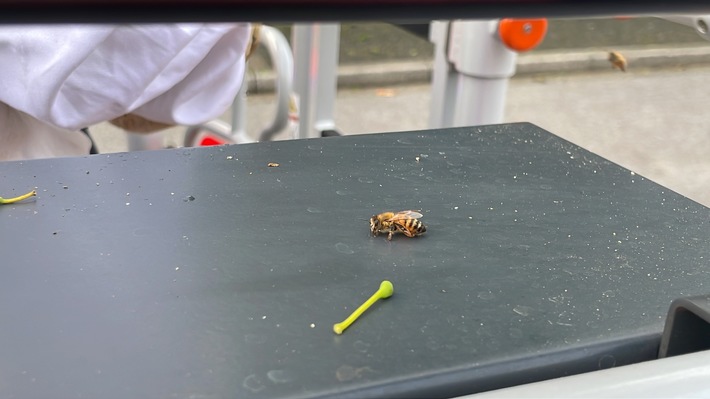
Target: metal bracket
column 687, row 328
column 330, row 133
column 700, row 23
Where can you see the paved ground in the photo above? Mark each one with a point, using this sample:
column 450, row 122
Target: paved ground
column 654, row 122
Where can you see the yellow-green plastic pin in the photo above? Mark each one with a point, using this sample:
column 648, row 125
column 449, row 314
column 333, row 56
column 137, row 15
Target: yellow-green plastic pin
column 386, row 290
column 17, row 199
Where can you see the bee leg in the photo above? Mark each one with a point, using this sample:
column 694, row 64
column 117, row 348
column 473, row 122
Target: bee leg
column 389, row 236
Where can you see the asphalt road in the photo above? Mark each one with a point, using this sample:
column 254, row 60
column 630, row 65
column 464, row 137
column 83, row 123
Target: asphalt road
column 654, row 122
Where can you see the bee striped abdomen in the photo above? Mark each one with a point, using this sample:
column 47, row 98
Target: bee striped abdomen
column 411, row 227
column 419, row 227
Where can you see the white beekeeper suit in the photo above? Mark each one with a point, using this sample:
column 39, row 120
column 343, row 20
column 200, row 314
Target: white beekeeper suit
column 57, row 79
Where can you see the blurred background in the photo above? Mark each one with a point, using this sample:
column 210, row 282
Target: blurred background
column 370, row 42
column 651, row 119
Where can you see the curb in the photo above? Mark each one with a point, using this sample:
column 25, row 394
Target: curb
column 596, row 60
column 533, row 63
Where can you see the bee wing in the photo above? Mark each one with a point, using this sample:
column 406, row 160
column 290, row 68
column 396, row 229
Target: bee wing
column 406, row 215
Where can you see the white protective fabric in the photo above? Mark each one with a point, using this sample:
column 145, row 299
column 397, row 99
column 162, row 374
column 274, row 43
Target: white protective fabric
column 56, row 79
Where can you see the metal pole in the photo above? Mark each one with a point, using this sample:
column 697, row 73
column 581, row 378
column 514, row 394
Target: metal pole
column 282, row 60
column 472, row 81
column 443, row 80
column 144, row 141
column 315, row 49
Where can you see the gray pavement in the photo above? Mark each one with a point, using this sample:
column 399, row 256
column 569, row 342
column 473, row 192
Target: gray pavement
column 650, row 120
column 550, row 62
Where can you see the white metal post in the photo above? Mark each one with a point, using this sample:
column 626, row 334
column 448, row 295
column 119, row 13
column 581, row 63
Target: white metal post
column 443, row 80
column 315, row 49
column 481, row 66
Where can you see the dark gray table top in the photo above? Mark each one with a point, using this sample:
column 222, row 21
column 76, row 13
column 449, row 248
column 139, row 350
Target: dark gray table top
column 204, row 273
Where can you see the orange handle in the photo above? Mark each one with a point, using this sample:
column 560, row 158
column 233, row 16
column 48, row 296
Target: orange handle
column 522, row 34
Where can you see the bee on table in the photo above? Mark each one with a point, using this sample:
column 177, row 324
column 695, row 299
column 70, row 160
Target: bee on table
column 406, row 222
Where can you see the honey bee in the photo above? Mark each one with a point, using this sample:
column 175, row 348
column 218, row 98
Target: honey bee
column 406, row 222
column 617, row 60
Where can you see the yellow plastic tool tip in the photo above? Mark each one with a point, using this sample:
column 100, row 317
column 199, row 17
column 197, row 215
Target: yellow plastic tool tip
column 386, row 290
column 17, row 199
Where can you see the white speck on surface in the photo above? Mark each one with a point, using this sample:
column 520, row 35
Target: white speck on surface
column 177, row 268
column 263, row 317
column 279, row 376
column 313, row 325
column 230, row 157
column 253, row 383
column 344, row 248
column 128, row 203
column 522, row 310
